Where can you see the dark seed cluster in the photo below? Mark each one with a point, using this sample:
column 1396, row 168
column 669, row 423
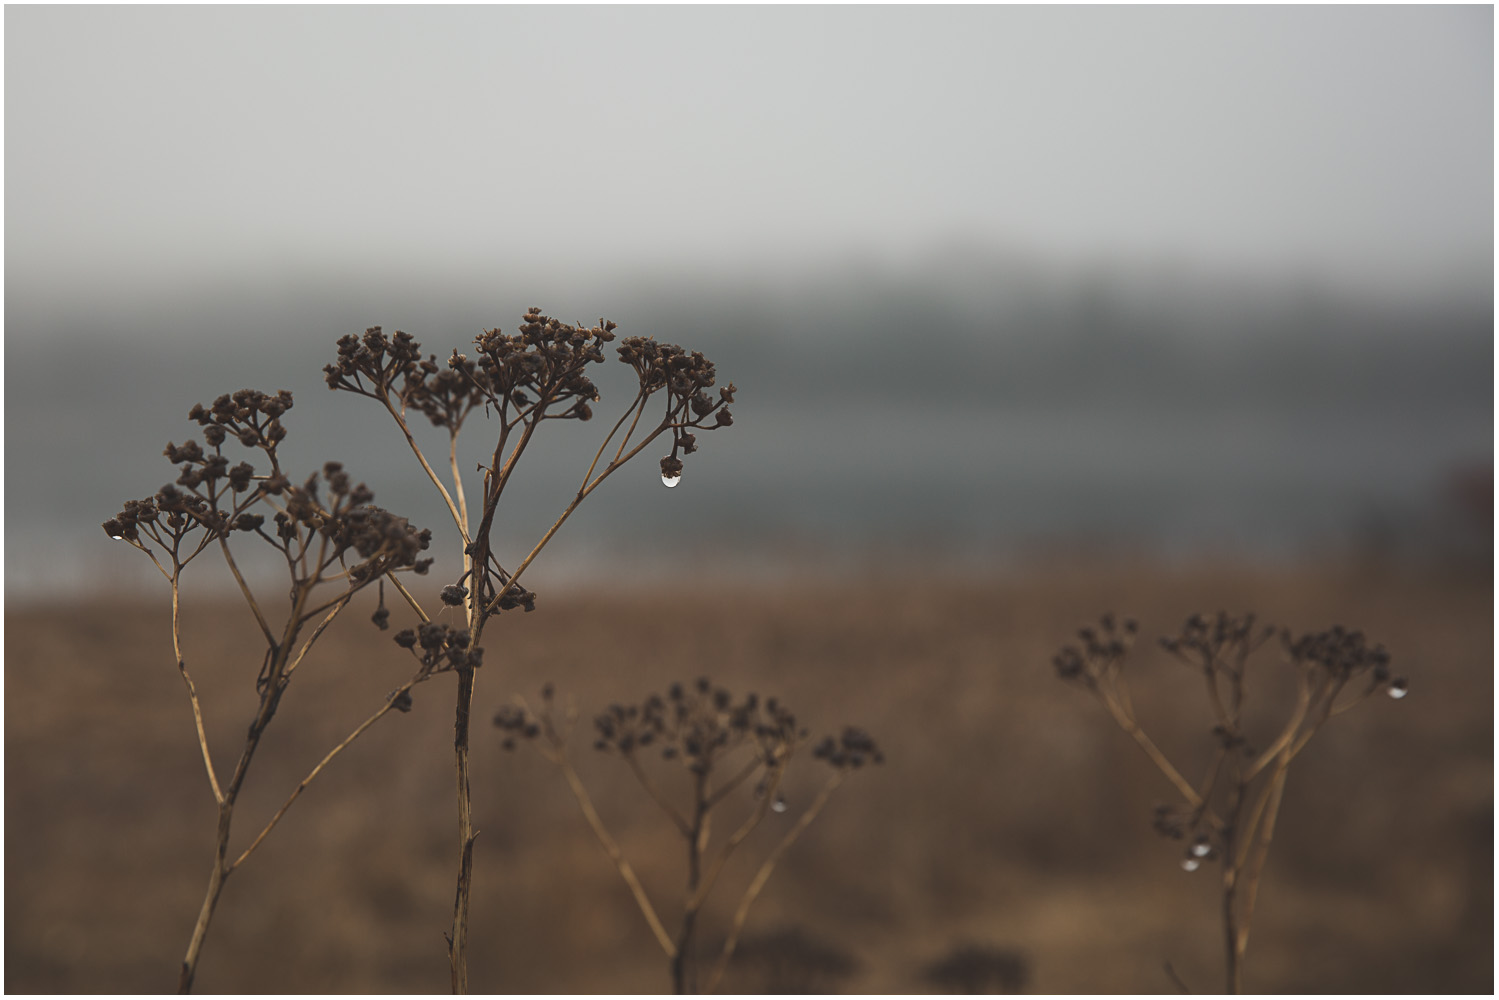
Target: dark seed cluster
column 852, row 749
column 685, row 378
column 1343, row 654
column 546, row 360
column 371, row 364
column 1100, row 653
column 249, row 415
column 698, row 723
column 383, row 541
column 440, row 647
column 516, row 724
column 217, row 497
column 1222, row 641
column 209, row 493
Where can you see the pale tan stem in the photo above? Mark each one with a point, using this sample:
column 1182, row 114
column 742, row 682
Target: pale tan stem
column 582, row 494
column 1287, row 735
column 458, row 481
column 612, row 431
column 738, row 837
column 192, row 694
column 763, row 875
column 1211, row 678
column 615, row 854
column 200, row 929
column 401, row 588
column 1262, row 840
column 244, row 588
column 655, row 792
column 722, row 791
column 152, row 556
column 458, row 518
column 367, row 723
column 337, row 606
column 639, row 407
column 1128, row 724
column 468, row 556
column 1330, row 696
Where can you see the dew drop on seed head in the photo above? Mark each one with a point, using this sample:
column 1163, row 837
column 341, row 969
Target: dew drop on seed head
column 670, row 481
column 1190, row 864
column 118, row 538
column 1201, row 849
column 779, row 805
column 1398, row 691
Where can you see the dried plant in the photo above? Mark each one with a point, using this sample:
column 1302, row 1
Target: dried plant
column 721, row 745
column 333, row 546
column 521, row 381
column 337, row 546
column 1229, row 816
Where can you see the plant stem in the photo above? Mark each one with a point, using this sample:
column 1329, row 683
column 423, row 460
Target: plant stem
column 458, row 940
column 192, row 691
column 210, row 902
column 615, row 854
column 270, row 698
column 683, row 972
column 763, row 875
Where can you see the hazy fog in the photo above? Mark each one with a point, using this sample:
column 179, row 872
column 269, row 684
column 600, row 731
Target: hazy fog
column 149, row 146
column 987, row 278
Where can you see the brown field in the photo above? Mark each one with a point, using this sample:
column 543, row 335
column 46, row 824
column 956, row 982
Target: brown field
column 1010, row 813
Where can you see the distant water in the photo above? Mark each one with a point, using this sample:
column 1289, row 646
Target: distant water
column 927, row 436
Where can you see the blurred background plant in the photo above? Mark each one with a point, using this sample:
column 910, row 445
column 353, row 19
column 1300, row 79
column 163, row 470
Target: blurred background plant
column 1229, row 815
column 723, row 745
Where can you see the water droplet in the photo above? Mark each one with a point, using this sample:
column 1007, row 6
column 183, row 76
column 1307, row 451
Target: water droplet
column 118, row 538
column 1190, row 864
column 670, row 481
column 1201, row 849
column 779, row 805
column 1398, row 690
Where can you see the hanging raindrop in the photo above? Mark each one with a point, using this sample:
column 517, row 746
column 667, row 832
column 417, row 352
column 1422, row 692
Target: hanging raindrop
column 1398, row 689
column 118, row 538
column 670, row 481
column 1201, row 849
column 1190, row 864
column 779, row 805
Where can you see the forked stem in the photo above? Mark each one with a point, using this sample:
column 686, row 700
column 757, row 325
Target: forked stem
column 763, row 875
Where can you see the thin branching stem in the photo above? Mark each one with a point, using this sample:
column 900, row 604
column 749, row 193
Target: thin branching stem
column 244, row 588
column 611, row 848
column 736, row 927
column 458, row 518
column 192, row 691
column 390, row 703
column 756, row 816
column 572, row 506
column 654, row 791
column 1128, row 724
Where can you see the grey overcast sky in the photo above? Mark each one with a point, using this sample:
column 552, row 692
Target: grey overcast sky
column 155, row 145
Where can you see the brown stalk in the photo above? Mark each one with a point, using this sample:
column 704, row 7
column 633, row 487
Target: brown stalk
column 192, row 691
column 626, row 872
column 736, row 927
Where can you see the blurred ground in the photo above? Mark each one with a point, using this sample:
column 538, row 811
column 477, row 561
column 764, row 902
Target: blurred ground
column 1011, row 815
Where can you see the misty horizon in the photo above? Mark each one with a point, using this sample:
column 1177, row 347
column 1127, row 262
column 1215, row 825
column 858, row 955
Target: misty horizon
column 1351, row 148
